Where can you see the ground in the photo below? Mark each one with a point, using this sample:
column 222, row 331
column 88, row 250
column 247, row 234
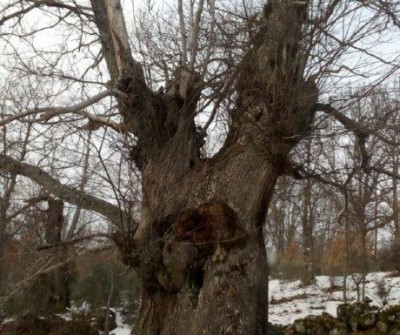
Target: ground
column 291, row 300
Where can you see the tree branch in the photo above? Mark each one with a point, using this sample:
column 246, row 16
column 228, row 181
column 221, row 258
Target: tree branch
column 384, row 171
column 65, row 192
column 110, row 21
column 6, row 18
column 357, row 128
column 50, row 112
column 79, row 10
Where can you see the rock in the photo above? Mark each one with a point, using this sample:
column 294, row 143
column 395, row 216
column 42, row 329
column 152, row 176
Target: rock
column 394, row 329
column 367, row 320
column 289, row 330
column 342, row 312
column 319, row 325
column 357, row 308
column 299, row 326
column 275, row 329
column 318, row 329
column 353, row 323
column 327, row 320
column 339, row 328
column 390, row 314
column 356, row 319
column 383, row 328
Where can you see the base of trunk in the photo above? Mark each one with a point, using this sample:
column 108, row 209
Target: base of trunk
column 229, row 297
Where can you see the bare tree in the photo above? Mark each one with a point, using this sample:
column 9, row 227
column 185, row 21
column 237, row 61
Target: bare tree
column 198, row 244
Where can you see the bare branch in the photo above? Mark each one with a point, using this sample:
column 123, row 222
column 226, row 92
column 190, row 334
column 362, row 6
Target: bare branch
column 195, row 35
column 114, row 38
column 50, row 112
column 16, row 14
column 64, row 192
column 351, row 125
column 182, row 29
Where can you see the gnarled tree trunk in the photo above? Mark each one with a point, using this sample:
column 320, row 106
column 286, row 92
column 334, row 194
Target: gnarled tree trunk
column 203, row 259
column 199, row 245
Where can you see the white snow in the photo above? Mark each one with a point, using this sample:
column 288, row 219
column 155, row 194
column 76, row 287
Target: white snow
column 122, row 329
column 291, row 300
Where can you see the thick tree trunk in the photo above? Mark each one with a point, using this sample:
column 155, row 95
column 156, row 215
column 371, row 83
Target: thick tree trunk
column 208, row 269
column 199, row 244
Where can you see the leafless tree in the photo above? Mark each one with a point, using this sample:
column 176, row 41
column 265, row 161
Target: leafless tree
column 269, row 70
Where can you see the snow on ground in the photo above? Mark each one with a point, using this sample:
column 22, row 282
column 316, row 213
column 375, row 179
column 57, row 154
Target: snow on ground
column 122, row 329
column 291, row 300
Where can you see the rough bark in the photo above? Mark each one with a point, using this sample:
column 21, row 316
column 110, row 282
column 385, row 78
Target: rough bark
column 2, row 241
column 5, row 200
column 396, row 219
column 308, row 235
column 53, row 289
column 199, row 245
column 308, row 226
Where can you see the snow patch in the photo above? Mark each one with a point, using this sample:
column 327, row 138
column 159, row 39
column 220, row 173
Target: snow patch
column 291, row 300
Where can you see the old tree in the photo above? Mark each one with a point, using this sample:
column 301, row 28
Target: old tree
column 198, row 244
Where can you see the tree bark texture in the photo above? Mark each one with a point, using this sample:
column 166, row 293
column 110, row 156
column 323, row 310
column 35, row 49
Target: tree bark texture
column 53, row 290
column 5, row 200
column 2, row 242
column 198, row 246
column 308, row 218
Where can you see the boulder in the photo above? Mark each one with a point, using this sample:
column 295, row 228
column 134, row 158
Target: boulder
column 367, row 320
column 339, row 328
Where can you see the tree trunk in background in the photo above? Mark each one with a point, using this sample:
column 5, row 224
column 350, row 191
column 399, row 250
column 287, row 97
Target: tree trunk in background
column 4, row 206
column 347, row 245
column 364, row 260
column 396, row 220
column 2, row 241
column 308, row 226
column 53, row 291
